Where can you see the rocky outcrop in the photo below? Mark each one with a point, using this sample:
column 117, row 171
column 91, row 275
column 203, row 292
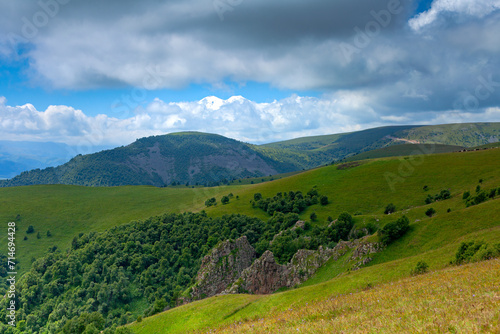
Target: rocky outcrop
column 229, row 269
column 222, row 266
column 362, row 250
column 266, row 276
column 365, row 249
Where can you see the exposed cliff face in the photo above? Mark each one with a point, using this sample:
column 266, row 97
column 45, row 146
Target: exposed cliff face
column 266, row 276
column 229, row 269
column 222, row 267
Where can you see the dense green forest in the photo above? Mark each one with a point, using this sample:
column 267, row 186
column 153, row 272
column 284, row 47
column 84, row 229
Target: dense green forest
column 112, row 278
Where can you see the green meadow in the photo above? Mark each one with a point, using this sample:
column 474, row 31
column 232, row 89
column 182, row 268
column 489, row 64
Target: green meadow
column 362, row 189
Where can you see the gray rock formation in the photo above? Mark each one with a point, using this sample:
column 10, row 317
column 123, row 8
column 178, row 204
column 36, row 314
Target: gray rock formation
column 222, row 266
column 266, row 276
column 229, row 269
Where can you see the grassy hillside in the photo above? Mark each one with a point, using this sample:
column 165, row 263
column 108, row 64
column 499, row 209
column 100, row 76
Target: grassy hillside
column 69, row 210
column 461, row 134
column 324, row 306
column 366, row 189
column 363, row 189
column 434, row 240
column 309, row 152
column 404, row 150
column 461, row 299
column 66, row 211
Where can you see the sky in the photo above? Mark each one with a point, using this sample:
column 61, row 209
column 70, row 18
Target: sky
column 95, row 73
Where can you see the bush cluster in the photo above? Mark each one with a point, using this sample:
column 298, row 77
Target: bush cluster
column 480, row 197
column 473, row 251
column 443, row 194
column 284, row 202
column 394, row 230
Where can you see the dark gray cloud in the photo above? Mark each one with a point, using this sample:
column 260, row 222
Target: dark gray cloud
column 375, row 54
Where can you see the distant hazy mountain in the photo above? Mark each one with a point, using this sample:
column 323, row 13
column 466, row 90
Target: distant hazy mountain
column 20, row 156
column 206, row 159
column 16, row 157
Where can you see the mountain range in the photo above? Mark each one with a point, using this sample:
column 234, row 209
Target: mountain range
column 193, row 158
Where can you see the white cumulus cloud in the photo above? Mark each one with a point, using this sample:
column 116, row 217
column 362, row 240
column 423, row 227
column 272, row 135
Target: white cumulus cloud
column 474, row 8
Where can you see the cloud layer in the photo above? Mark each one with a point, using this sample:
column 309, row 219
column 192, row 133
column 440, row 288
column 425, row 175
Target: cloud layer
column 375, row 62
column 235, row 117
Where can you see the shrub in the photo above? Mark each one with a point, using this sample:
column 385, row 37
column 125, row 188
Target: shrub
column 30, row 229
column 211, row 201
column 492, row 193
column 474, row 251
column 49, row 234
column 430, row 212
column 224, row 200
column 257, row 197
column 421, row 268
column 466, row 195
column 426, row 188
column 444, row 194
column 394, row 230
column 429, row 199
column 449, row 210
column 38, row 236
column 390, row 208
column 313, row 216
column 323, row 200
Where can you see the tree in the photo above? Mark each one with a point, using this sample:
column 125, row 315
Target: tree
column 38, row 236
column 257, row 197
column 313, row 216
column 30, row 229
column 421, row 268
column 430, row 212
column 394, row 230
column 211, row 201
column 49, row 234
column 390, row 208
column 224, row 200
column 323, row 200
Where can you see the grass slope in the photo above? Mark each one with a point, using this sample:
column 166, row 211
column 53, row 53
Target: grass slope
column 69, row 210
column 460, row 299
column 309, row 152
column 66, row 211
column 461, row 134
column 404, row 150
column 430, row 240
column 434, row 240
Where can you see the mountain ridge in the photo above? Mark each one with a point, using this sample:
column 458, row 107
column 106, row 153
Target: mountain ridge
column 194, row 158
